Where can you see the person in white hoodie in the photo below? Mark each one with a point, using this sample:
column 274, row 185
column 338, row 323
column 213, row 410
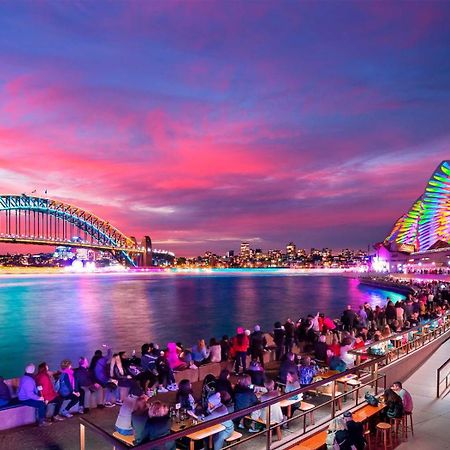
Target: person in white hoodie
column 123, row 422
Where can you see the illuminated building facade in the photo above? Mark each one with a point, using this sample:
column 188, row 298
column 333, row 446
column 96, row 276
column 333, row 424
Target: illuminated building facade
column 425, row 228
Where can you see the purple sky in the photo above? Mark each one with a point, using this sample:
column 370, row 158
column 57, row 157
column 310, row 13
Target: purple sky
column 207, row 123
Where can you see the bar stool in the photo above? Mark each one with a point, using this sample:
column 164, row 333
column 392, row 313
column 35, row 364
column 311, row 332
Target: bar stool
column 384, row 432
column 396, row 423
column 409, row 414
column 367, row 437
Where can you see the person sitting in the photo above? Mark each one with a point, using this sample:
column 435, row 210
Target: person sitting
column 219, row 404
column 404, row 395
column 66, row 389
column 158, row 424
column 200, row 352
column 215, row 351
column 85, row 383
column 288, row 365
column 244, row 395
column 99, row 369
column 348, row 358
column 307, row 371
column 276, row 414
column 45, row 385
column 355, row 431
column 139, row 418
column 117, row 372
column 28, row 394
column 185, row 396
column 123, row 423
column 175, row 363
column 256, row 372
column 337, row 435
column 5, row 394
column 394, row 406
column 166, row 377
column 292, row 384
column 223, row 382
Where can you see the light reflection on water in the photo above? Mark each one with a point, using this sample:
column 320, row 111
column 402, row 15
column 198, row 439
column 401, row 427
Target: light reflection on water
column 51, row 318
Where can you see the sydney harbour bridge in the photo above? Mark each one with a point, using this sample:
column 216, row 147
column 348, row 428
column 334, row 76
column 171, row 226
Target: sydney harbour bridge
column 35, row 220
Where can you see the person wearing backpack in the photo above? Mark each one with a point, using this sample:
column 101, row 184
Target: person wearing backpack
column 66, row 388
column 337, row 435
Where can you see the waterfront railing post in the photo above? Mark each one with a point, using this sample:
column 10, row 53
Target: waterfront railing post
column 269, row 431
column 333, row 396
column 82, row 437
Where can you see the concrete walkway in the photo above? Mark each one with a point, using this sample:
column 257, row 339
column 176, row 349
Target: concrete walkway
column 431, row 415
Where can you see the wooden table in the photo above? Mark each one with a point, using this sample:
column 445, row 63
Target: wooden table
column 352, row 380
column 203, row 434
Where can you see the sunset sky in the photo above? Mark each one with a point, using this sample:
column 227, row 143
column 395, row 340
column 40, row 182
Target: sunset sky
column 207, row 123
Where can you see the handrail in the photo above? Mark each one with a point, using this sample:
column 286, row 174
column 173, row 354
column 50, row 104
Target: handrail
column 395, row 335
column 371, row 363
column 236, row 414
column 438, row 374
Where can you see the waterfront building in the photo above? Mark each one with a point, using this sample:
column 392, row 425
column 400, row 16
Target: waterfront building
column 420, row 238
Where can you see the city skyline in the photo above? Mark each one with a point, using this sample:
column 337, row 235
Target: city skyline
column 204, row 126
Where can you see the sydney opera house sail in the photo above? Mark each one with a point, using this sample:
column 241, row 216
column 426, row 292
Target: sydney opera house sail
column 427, row 223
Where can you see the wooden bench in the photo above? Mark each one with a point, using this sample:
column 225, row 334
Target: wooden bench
column 126, row 439
column 235, row 436
column 314, row 442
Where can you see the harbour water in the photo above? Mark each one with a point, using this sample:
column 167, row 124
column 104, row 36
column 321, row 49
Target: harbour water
column 48, row 318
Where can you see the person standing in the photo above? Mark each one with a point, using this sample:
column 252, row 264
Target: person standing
column 240, row 344
column 279, row 336
column 258, row 343
column 348, row 318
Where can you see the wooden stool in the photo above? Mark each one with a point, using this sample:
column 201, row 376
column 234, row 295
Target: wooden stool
column 384, row 432
column 235, row 437
column 397, row 422
column 409, row 414
column 367, row 437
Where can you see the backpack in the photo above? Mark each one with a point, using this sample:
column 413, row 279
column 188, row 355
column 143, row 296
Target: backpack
column 62, row 387
column 209, row 388
column 371, row 399
column 331, row 441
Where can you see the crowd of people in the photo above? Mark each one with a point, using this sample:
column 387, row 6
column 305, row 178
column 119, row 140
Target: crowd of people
column 321, row 342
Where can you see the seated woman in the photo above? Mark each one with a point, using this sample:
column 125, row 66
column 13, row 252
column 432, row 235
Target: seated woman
column 66, row 389
column 139, row 418
column 173, row 358
column 123, row 422
column 5, row 394
column 215, row 351
column 200, row 352
column 337, row 435
column 307, row 371
column 276, row 414
column 158, row 424
column 185, row 396
column 292, row 384
column 348, row 358
column 117, row 372
column 219, row 404
column 256, row 372
column 394, row 406
column 46, row 387
column 244, row 396
column 223, row 383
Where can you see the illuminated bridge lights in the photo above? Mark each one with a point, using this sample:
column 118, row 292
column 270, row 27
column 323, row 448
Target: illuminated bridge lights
column 40, row 220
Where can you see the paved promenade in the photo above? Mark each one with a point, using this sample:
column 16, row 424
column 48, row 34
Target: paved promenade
column 431, row 415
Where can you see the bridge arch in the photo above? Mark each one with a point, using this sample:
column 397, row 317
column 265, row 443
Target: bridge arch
column 41, row 219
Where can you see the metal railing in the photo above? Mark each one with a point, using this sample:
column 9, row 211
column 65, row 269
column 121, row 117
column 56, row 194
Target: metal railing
column 369, row 378
column 441, row 380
